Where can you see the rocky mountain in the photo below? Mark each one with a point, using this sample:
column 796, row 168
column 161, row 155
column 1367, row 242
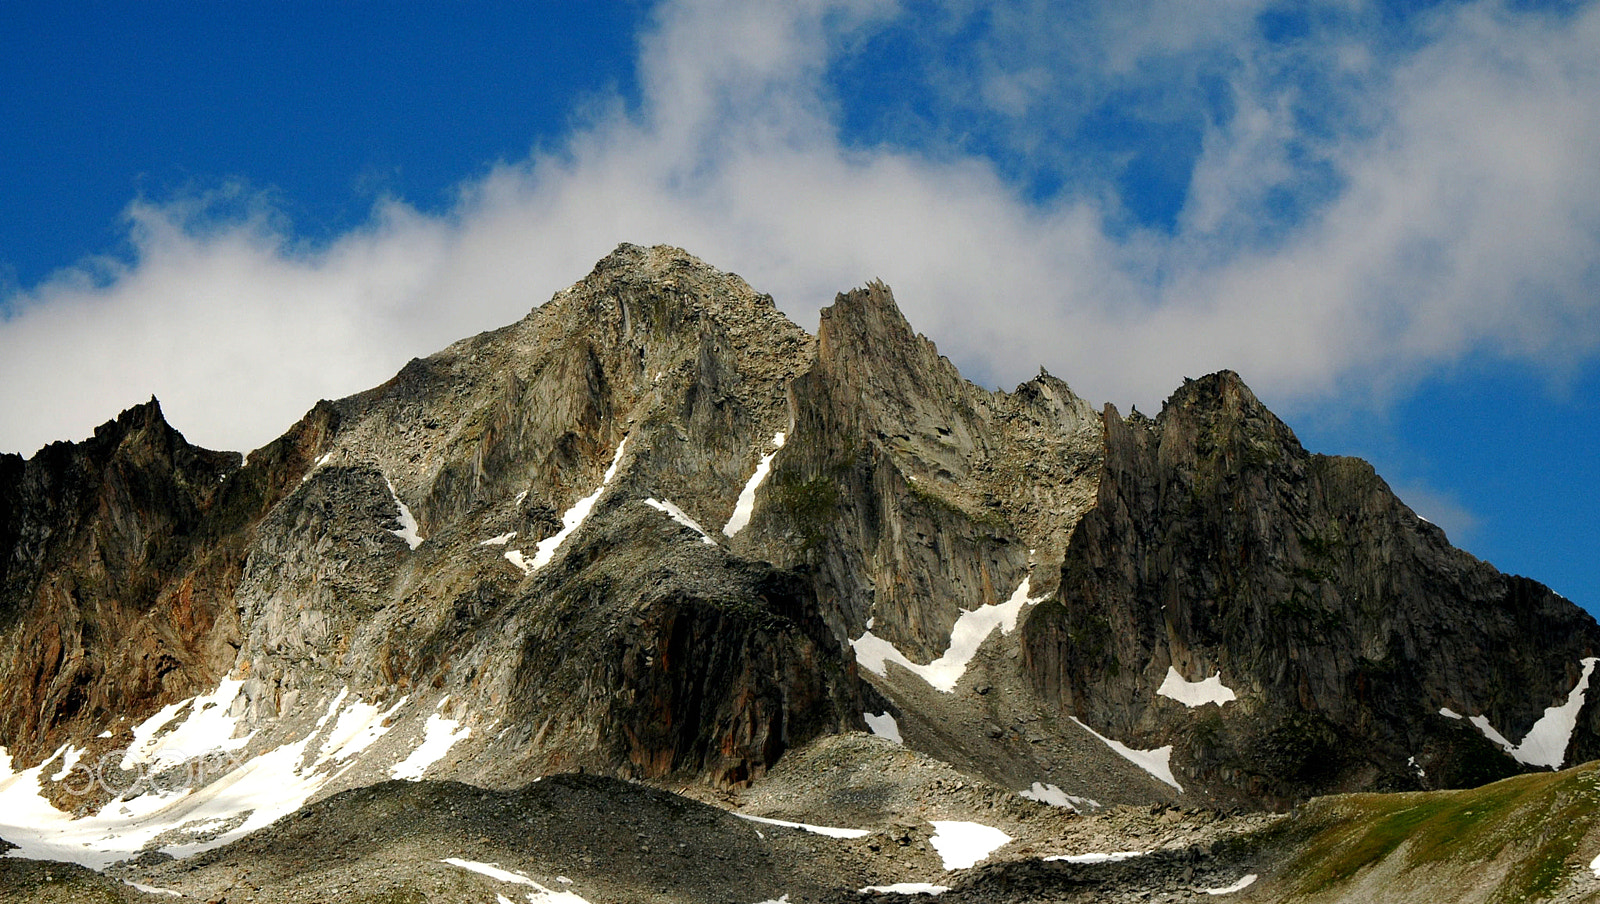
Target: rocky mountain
column 656, row 532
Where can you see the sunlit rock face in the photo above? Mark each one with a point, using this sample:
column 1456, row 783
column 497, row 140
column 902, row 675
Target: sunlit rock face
column 655, row 530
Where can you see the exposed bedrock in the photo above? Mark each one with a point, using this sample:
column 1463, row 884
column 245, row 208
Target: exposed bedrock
column 1344, row 623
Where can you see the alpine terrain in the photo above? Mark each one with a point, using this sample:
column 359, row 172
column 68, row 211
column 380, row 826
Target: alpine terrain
column 655, row 596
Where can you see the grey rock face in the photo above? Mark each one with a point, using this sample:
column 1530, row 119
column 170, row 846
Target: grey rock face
column 912, row 494
column 118, row 562
column 504, row 530
column 1342, row 620
column 636, row 648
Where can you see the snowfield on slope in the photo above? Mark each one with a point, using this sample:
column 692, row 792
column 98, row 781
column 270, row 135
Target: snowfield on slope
column 190, row 782
column 972, row 627
column 571, row 520
column 745, row 505
column 1546, row 742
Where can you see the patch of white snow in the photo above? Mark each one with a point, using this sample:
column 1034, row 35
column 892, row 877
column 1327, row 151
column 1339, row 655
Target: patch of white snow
column 539, row 895
column 904, row 888
column 964, row 844
column 1111, row 857
column 500, row 540
column 574, row 517
column 359, row 725
column 884, row 726
column 207, row 728
column 151, row 889
column 187, row 778
column 407, row 530
column 678, row 515
column 515, row 557
column 829, row 831
column 745, row 506
column 1055, row 797
column 971, row 629
column 1157, row 762
column 1449, row 713
column 73, row 755
column 1244, row 883
column 439, row 735
column 1546, row 742
column 1195, row 693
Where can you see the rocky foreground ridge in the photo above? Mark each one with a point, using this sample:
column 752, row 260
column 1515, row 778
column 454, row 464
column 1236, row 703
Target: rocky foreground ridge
column 655, row 531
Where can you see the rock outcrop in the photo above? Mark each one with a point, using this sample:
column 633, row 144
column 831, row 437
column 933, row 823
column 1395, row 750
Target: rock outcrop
column 1343, row 622
column 119, row 557
column 913, row 494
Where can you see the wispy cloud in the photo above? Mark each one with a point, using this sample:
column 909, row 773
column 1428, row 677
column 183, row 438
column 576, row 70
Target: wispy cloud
column 1359, row 211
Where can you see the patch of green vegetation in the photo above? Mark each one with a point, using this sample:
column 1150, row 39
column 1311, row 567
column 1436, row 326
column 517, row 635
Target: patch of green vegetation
column 989, row 519
column 1309, row 620
column 1533, row 823
column 1322, row 545
column 1207, row 729
column 808, row 505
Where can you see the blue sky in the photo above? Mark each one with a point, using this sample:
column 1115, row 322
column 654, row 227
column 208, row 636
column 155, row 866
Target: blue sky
column 1386, row 216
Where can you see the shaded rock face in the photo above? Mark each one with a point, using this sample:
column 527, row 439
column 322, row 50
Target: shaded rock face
column 118, row 561
column 1343, row 621
column 911, row 494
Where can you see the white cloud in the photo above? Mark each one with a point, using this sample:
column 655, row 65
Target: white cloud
column 1466, row 220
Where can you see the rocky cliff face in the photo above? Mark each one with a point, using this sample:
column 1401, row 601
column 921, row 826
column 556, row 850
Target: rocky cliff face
column 120, row 559
column 432, row 549
column 656, row 530
column 1343, row 623
column 912, row 494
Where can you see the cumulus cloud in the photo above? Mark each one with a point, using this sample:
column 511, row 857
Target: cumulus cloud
column 1455, row 211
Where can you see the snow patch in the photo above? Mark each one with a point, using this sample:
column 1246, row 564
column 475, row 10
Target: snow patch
column 1111, row 857
column 829, row 831
column 321, row 460
column 1195, row 693
column 971, row 629
column 207, row 728
column 151, row 889
column 1546, row 742
column 904, row 888
column 883, row 726
column 678, row 515
column 1055, row 797
column 439, row 735
column 1244, row 883
column 571, row 520
column 539, row 895
column 73, row 755
column 964, row 844
column 1449, row 713
column 515, row 557
column 500, row 540
column 1157, row 762
column 745, row 506
column 358, row 727
column 187, row 779
column 407, row 530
